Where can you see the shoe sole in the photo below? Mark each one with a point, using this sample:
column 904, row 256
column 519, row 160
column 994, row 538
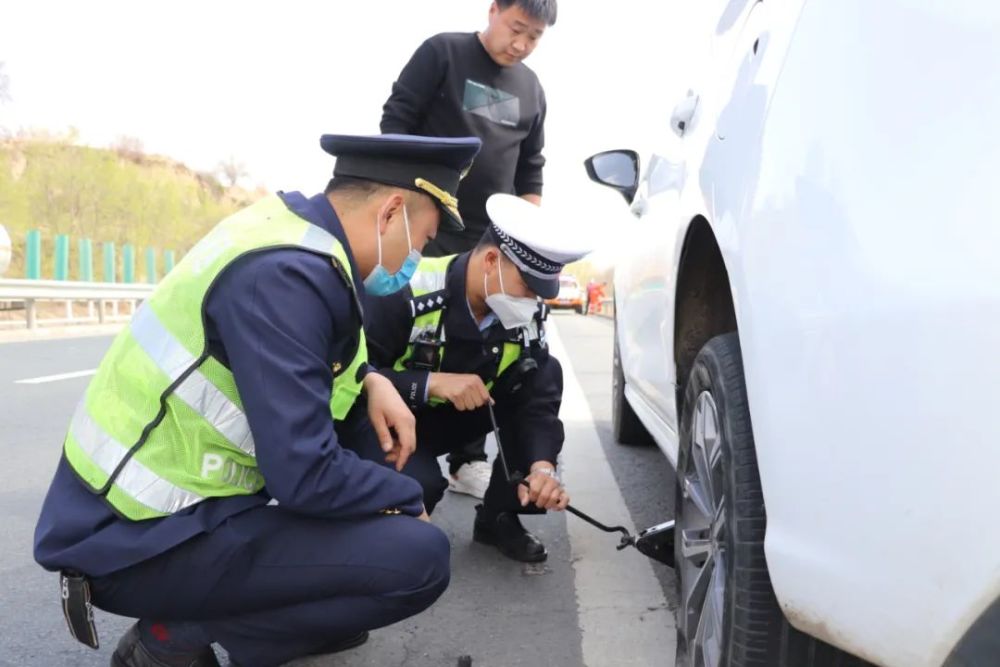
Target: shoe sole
column 487, row 539
column 117, row 661
column 458, row 487
column 354, row 642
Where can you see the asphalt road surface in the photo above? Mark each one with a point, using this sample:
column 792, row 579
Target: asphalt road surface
column 588, row 605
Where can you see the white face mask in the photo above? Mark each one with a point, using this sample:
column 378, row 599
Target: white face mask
column 514, row 312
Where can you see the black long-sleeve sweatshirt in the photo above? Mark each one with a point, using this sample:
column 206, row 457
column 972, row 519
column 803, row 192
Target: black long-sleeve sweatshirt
column 451, row 87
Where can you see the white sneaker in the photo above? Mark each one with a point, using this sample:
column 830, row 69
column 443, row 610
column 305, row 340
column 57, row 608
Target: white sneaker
column 471, row 479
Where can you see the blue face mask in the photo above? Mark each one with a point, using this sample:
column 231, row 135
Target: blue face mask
column 382, row 283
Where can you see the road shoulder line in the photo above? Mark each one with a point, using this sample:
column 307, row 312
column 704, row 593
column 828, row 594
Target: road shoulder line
column 624, row 619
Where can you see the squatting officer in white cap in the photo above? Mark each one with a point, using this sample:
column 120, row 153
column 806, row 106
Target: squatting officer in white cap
column 235, row 384
column 470, row 327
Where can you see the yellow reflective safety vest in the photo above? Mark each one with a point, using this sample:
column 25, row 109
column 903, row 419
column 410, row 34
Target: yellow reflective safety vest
column 429, row 301
column 161, row 426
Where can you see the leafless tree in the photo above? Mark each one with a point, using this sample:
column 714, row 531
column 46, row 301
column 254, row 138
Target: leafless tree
column 232, row 170
column 127, row 147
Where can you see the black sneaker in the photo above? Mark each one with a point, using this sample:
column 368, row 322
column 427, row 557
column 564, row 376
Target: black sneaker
column 131, row 652
column 506, row 533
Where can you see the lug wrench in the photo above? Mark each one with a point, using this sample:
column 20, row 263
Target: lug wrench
column 656, row 542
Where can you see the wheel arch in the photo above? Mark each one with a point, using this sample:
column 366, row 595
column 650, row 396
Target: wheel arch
column 703, row 301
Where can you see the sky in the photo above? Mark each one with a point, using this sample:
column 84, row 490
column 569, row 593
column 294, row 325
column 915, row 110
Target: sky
column 202, row 81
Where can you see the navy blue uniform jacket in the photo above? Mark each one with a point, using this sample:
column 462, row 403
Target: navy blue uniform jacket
column 537, row 430
column 278, row 320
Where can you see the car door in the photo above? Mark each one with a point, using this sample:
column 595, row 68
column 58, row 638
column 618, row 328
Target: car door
column 702, row 55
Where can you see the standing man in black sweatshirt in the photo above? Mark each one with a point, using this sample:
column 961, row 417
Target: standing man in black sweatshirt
column 476, row 84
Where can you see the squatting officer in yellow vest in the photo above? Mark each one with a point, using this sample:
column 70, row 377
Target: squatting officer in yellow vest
column 468, row 329
column 217, row 399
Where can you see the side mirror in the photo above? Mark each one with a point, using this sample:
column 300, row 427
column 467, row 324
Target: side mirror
column 618, row 170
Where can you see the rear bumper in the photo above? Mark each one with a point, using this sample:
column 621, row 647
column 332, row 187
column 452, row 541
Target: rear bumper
column 564, row 303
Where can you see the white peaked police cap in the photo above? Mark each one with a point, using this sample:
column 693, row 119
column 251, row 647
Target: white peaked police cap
column 538, row 243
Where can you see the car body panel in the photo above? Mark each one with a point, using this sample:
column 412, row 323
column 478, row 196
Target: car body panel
column 842, row 156
column 644, row 285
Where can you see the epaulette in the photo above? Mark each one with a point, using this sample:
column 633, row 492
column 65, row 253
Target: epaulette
column 428, row 303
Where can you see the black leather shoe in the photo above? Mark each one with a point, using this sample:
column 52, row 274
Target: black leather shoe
column 506, row 533
column 131, row 652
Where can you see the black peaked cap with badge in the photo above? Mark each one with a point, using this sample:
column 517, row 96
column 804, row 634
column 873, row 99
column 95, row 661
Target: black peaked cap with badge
column 538, row 243
column 433, row 166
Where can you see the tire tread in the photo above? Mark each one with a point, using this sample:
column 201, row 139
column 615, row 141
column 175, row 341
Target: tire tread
column 757, row 633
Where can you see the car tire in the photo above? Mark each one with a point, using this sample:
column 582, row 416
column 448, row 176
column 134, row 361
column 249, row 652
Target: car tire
column 625, row 425
column 728, row 614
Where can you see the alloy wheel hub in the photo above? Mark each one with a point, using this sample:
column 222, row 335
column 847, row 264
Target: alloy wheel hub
column 702, row 563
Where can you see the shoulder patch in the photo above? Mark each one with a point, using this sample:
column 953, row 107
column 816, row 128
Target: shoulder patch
column 428, row 303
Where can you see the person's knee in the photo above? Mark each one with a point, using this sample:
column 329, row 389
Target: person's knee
column 427, row 473
column 429, row 555
column 434, row 488
column 439, row 562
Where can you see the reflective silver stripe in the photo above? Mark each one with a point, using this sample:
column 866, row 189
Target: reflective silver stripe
column 196, row 391
column 161, row 346
column 204, row 398
column 135, row 479
column 427, row 281
column 530, row 270
column 318, row 239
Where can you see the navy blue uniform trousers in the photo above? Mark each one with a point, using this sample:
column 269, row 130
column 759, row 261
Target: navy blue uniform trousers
column 270, row 585
column 444, row 430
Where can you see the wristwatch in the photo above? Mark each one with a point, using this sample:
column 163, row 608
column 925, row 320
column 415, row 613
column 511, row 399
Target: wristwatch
column 551, row 472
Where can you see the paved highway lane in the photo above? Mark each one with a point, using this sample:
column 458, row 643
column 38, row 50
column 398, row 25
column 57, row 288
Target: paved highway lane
column 589, row 604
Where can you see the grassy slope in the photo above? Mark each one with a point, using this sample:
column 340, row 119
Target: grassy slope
column 104, row 195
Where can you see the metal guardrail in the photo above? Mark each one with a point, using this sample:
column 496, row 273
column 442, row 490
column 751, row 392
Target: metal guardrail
column 30, row 292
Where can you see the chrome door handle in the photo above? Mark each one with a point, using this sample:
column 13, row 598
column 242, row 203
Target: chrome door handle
column 639, row 206
column 680, row 119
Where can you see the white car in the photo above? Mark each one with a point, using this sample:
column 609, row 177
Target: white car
column 808, row 324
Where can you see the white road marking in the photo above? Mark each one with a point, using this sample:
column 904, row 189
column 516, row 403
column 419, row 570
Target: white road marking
column 57, row 378
column 624, row 619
